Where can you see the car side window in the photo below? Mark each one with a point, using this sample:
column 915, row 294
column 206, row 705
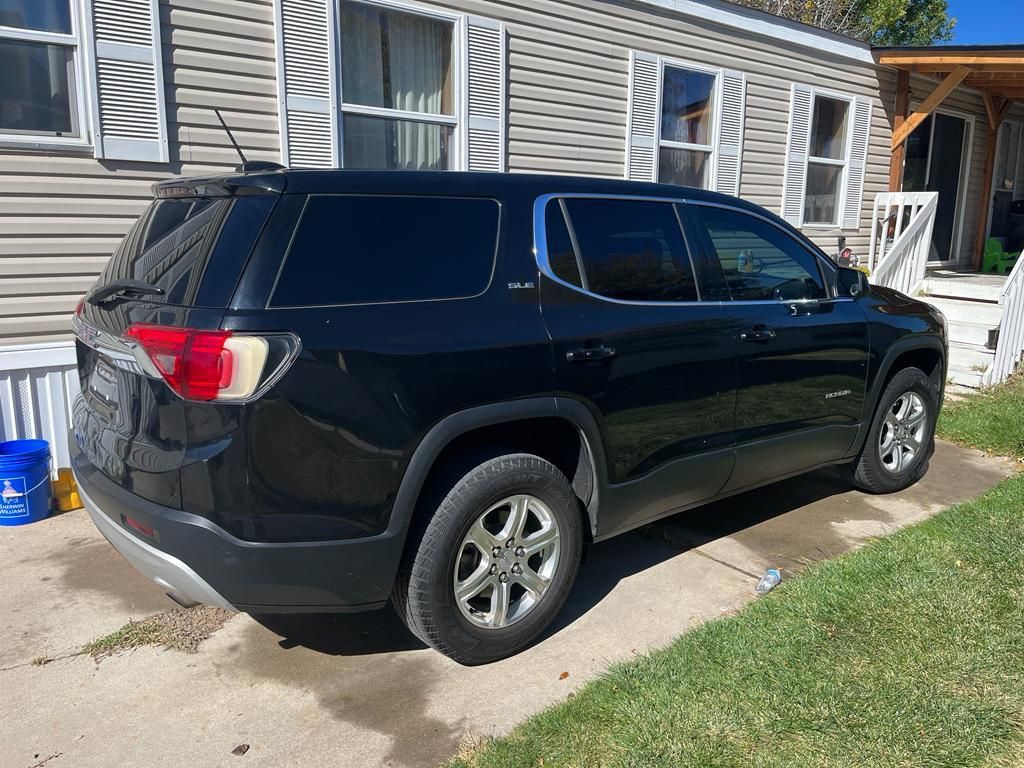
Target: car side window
column 561, row 254
column 760, row 262
column 632, row 249
column 364, row 249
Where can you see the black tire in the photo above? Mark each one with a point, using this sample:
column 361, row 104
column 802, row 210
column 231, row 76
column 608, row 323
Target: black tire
column 869, row 473
column 424, row 593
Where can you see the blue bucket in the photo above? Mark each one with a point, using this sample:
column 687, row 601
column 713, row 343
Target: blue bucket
column 24, row 481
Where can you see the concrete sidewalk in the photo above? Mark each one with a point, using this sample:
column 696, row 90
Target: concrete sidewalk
column 359, row 690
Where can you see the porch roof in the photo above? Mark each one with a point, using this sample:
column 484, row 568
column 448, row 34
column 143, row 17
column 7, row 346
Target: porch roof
column 995, row 70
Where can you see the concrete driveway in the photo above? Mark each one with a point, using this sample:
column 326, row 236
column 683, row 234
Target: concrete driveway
column 360, row 691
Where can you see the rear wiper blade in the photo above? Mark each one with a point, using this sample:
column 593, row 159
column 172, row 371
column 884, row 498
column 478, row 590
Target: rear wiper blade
column 123, row 289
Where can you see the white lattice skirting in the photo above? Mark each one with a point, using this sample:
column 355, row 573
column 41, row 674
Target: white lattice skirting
column 37, row 386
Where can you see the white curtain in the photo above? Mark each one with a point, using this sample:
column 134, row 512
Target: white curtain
column 397, row 61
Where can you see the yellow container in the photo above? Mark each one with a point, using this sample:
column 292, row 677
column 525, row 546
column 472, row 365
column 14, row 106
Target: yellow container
column 65, row 491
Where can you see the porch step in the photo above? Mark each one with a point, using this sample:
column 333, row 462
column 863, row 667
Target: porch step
column 962, row 311
column 963, row 377
column 969, row 333
column 978, row 289
column 971, row 357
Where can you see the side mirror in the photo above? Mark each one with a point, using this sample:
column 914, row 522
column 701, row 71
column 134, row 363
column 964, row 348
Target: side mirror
column 851, row 282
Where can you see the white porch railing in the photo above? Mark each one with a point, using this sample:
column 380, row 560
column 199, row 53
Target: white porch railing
column 901, row 239
column 1010, row 347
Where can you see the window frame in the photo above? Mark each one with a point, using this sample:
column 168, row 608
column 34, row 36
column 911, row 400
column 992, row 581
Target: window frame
column 716, row 121
column 460, row 84
column 76, row 40
column 540, row 246
column 844, row 163
column 698, row 258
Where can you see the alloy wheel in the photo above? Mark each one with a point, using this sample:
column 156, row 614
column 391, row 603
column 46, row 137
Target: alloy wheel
column 902, row 435
column 506, row 562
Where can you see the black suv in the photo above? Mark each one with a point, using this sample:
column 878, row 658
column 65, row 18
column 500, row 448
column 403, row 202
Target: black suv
column 321, row 390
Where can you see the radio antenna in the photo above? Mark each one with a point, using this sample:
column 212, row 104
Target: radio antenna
column 231, row 136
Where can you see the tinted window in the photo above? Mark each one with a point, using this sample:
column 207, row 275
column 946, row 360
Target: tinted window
column 760, row 261
column 632, row 250
column 561, row 255
column 360, row 249
column 171, row 245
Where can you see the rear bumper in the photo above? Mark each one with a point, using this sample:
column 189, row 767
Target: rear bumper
column 195, row 561
column 183, row 584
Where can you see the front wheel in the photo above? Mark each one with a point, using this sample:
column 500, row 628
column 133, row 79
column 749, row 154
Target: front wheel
column 495, row 562
column 902, row 436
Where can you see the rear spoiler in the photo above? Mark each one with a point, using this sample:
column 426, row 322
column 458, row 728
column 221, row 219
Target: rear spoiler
column 260, row 182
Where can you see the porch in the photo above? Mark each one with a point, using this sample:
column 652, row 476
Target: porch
column 943, row 212
column 935, row 145
column 985, row 310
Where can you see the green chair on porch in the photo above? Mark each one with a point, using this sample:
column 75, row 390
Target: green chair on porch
column 996, row 259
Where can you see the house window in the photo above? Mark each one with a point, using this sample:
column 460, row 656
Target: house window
column 686, row 146
column 397, row 88
column 39, row 62
column 827, row 160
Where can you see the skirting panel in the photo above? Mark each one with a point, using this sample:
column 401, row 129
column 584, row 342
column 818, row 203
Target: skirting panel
column 37, row 386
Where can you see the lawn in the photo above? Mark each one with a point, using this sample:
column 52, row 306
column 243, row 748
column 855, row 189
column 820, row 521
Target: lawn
column 909, row 652
column 992, row 421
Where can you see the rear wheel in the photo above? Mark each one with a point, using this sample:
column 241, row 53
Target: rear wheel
column 902, row 436
column 495, row 562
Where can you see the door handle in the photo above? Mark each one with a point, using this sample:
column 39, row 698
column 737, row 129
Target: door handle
column 590, row 354
column 759, row 334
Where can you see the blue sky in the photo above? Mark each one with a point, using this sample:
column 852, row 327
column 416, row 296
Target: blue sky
column 987, row 21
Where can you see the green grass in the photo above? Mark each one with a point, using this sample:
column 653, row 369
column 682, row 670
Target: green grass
column 909, row 652
column 992, row 420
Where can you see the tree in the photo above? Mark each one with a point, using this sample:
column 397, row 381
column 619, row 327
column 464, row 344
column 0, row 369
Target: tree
column 879, row 22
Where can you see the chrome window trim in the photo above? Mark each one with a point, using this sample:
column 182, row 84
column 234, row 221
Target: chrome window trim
column 540, row 250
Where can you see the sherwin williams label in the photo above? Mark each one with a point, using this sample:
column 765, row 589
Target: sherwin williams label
column 13, row 492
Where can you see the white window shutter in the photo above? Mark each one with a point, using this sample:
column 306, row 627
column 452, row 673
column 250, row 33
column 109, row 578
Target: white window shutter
column 128, row 81
column 730, row 133
column 794, row 177
column 306, row 72
column 642, row 123
column 485, row 95
column 859, row 135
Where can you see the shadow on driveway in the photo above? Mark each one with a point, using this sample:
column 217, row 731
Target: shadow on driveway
column 605, row 565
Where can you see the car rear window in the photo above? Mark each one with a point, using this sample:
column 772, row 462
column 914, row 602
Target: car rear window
column 350, row 249
column 192, row 247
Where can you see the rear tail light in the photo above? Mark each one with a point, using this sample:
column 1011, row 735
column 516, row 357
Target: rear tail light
column 212, row 365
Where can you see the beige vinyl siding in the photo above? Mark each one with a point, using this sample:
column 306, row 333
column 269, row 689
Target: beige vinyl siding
column 61, row 216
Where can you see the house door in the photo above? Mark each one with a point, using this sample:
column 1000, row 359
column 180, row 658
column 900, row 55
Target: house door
column 1006, row 220
column 938, row 156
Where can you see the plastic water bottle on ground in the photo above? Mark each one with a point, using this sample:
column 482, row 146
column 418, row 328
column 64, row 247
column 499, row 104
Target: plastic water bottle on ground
column 769, row 581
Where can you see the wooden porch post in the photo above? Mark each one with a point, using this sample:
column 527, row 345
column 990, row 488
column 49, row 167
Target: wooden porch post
column 934, row 99
column 899, row 153
column 996, row 113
